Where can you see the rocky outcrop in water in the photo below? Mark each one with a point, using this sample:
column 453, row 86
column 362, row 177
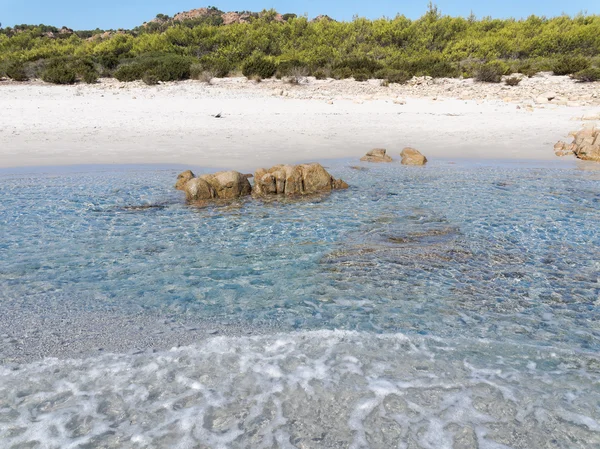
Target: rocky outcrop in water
column 221, row 185
column 183, row 178
column 410, row 156
column 376, row 155
column 295, row 180
column 585, row 145
column 301, row 179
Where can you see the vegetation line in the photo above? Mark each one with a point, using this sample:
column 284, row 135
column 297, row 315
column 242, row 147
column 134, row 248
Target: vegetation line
column 208, row 43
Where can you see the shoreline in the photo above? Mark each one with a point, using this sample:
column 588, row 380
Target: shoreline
column 274, row 122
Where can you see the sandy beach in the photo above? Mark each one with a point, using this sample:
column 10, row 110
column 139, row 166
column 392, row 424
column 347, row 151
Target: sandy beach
column 277, row 122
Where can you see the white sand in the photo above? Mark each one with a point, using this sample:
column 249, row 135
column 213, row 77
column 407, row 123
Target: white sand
column 274, row 122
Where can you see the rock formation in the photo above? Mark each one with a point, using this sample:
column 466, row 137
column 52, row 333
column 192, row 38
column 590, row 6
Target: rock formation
column 295, row 180
column 376, row 155
column 410, row 156
column 221, row 185
column 183, row 178
column 585, row 145
column 301, row 179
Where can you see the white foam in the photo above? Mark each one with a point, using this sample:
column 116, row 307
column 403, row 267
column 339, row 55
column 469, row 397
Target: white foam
column 308, row 389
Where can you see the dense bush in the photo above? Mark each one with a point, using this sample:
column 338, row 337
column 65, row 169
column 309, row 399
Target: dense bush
column 489, row 73
column 129, row 72
column 219, row 67
column 69, row 71
column 341, row 73
column 259, row 66
column 430, row 65
column 164, row 67
column 59, row 74
column 320, row 74
column 568, row 65
column 433, row 45
column 90, row 77
column 393, row 76
column 361, row 75
column 290, row 67
column 588, row 75
column 16, row 71
column 150, row 78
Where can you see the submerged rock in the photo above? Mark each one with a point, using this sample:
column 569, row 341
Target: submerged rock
column 295, row 180
column 410, row 156
column 376, row 155
column 221, row 185
column 183, row 178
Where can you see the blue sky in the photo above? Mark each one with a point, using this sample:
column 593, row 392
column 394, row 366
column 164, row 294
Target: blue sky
column 106, row 14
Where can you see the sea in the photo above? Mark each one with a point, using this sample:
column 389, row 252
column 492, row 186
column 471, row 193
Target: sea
column 451, row 306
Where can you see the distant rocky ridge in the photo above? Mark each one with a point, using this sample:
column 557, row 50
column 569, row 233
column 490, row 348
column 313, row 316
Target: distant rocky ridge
column 227, row 18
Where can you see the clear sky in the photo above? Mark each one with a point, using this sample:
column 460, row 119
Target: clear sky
column 112, row 14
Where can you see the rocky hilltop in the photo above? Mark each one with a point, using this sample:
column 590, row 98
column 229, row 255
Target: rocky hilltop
column 212, row 14
column 224, row 18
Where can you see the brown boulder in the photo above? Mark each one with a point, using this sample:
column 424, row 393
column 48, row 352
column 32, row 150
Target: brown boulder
column 229, row 184
column 410, row 156
column 589, row 153
column 295, row 180
column 221, row 185
column 183, row 178
column 376, row 155
column 585, row 146
column 198, row 189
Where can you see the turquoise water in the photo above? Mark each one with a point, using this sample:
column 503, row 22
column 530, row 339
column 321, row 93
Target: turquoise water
column 451, row 306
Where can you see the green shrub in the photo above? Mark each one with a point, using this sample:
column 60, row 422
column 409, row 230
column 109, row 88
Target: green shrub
column 16, row 71
column 67, row 70
column 218, row 66
column 166, row 68
column 489, row 73
column 290, row 68
column 195, row 71
column 59, row 71
column 108, row 61
column 359, row 65
column 429, row 65
column 512, row 81
column 59, row 74
column 320, row 74
column 588, row 75
column 568, row 65
column 129, row 72
column 361, row 75
column 393, row 76
column 150, row 79
column 90, row 77
column 341, row 73
column 528, row 70
column 262, row 67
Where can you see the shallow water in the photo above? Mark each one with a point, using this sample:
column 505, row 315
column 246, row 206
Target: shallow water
column 451, row 306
